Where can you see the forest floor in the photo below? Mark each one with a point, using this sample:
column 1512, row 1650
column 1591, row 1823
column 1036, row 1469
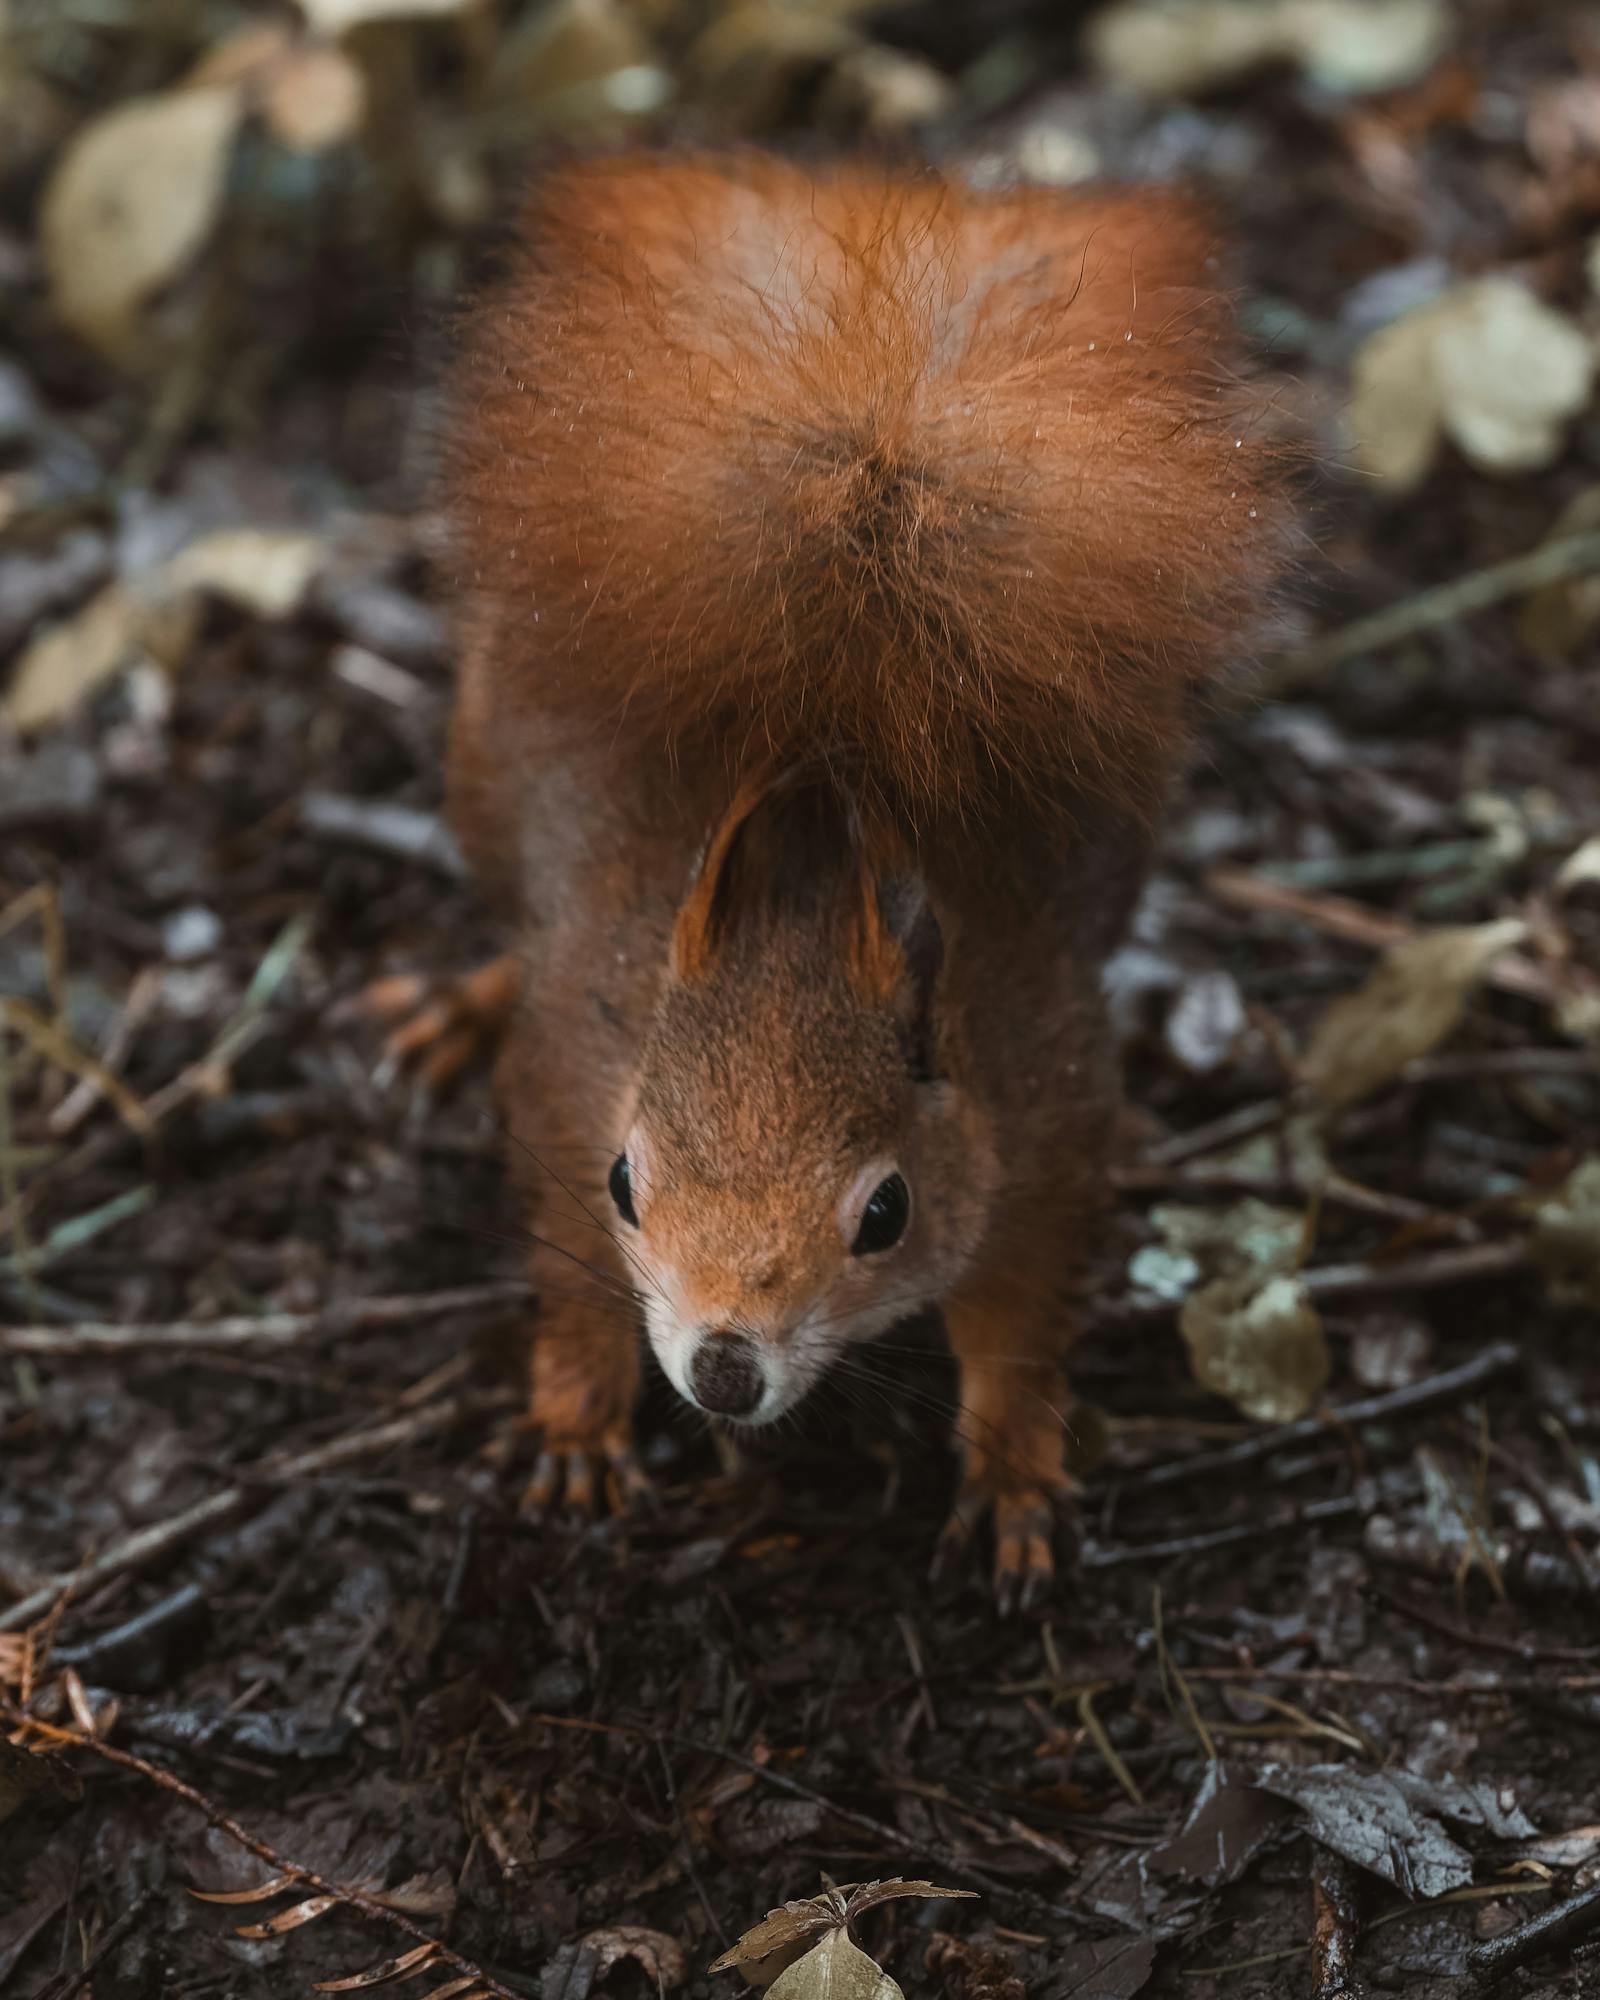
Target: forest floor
column 266, row 1602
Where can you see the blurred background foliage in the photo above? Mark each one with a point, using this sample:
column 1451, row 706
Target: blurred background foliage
column 245, row 221
column 214, row 185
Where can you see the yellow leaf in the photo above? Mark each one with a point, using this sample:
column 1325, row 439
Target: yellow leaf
column 130, row 205
column 1511, row 373
column 1393, row 419
column 835, row 1969
column 1408, row 1006
column 70, row 659
column 338, row 17
column 264, row 570
column 1168, row 50
column 1566, row 1237
column 1360, row 45
column 1485, row 363
column 1259, row 1342
column 314, row 98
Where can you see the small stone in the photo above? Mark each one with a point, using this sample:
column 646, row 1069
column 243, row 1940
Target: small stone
column 191, row 933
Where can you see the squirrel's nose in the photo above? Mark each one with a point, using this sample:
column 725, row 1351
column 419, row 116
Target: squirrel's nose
column 726, row 1374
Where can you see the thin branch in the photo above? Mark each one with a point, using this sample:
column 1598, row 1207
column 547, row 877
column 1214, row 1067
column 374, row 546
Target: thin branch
column 1557, row 1929
column 1414, row 1399
column 258, row 1331
column 1358, row 923
column 1551, row 562
column 1335, row 1928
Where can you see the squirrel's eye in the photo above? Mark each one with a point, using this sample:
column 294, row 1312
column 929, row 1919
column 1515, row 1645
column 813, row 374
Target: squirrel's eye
column 620, row 1184
column 884, row 1219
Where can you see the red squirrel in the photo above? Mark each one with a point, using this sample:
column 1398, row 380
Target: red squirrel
column 844, row 556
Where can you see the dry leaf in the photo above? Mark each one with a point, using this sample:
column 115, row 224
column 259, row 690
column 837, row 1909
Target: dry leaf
column 1174, row 48
column 883, row 91
column 1486, row 364
column 1259, row 1342
column 1566, row 1237
column 782, row 1935
column 1511, row 372
column 1366, row 45
column 1392, row 1823
column 338, row 17
column 563, row 47
column 1581, row 865
column 70, row 659
column 750, row 61
column 291, row 1919
column 314, row 98
column 240, row 58
column 264, row 570
column 416, row 1960
column 835, row 1969
column 665, row 1962
column 1252, row 1331
column 1393, row 417
column 260, row 1894
column 310, row 95
column 134, row 198
column 1407, row 1007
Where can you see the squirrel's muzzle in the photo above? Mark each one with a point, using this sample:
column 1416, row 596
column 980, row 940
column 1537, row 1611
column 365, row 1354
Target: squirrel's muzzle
column 726, row 1374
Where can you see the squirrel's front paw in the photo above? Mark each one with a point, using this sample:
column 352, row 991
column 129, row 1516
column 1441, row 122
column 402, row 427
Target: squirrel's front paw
column 585, row 1426
column 1024, row 1518
column 439, row 1028
column 575, row 1474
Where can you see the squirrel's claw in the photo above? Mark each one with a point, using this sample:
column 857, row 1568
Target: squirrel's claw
column 438, row 1028
column 579, row 1479
column 1024, row 1553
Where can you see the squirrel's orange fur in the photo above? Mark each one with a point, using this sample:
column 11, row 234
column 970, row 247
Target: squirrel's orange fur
column 841, row 556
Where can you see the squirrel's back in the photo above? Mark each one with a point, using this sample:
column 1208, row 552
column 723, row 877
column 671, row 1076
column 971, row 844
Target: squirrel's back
column 949, row 490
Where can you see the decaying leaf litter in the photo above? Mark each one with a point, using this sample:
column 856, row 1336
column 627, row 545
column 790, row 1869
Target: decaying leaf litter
column 1320, row 1705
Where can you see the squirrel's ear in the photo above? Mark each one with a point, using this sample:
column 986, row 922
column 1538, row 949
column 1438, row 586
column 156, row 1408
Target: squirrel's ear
column 896, row 953
column 703, row 918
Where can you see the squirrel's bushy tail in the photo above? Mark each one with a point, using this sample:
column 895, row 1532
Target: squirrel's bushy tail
column 949, row 487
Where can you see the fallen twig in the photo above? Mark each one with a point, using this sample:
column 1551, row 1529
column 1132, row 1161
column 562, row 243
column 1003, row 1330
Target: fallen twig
column 1488, row 1642
column 1332, row 1190
column 64, row 1988
column 258, row 1540
column 1335, row 1928
column 1242, row 1123
column 401, row 832
column 1555, row 1929
column 1378, row 930
column 1434, row 1270
column 1414, row 1399
column 1342, row 1508
column 1530, row 1572
column 1551, row 562
column 256, row 1331
column 1398, row 1683
column 246, row 1025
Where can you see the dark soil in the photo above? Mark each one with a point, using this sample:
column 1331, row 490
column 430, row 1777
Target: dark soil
column 529, row 1736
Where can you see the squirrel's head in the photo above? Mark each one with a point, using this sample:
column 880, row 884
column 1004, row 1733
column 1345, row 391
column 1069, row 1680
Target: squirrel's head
column 799, row 1174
